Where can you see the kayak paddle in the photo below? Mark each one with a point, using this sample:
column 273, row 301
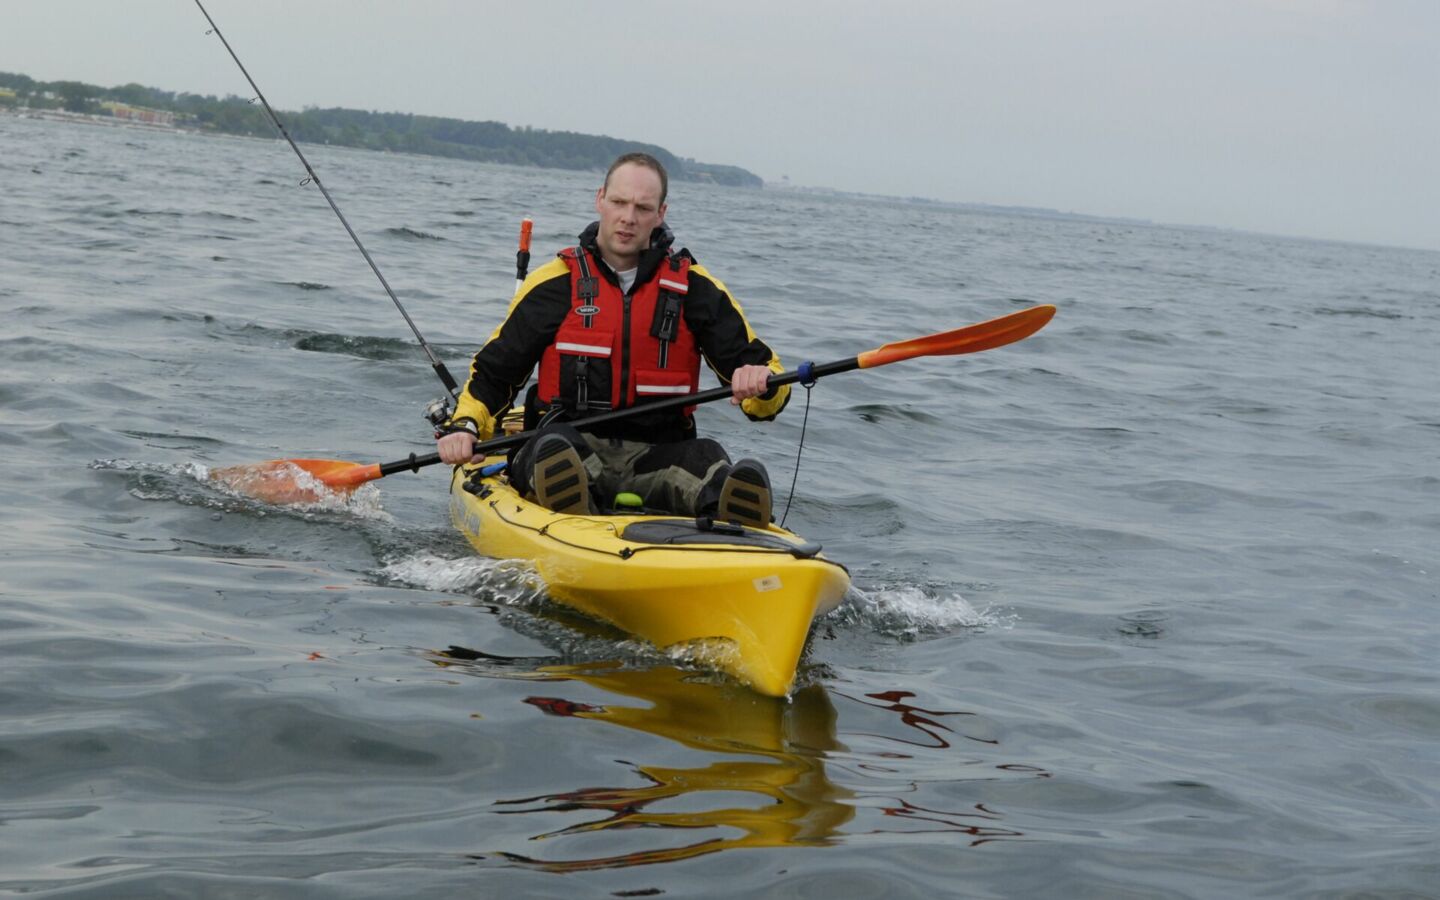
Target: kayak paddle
column 305, row 480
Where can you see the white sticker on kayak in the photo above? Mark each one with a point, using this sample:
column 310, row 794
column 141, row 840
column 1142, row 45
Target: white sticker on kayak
column 768, row 583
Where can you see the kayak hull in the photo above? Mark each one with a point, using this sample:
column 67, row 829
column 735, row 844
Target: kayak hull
column 741, row 601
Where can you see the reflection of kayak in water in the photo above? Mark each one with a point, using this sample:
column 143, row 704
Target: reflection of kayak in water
column 739, row 599
column 780, row 745
column 765, row 774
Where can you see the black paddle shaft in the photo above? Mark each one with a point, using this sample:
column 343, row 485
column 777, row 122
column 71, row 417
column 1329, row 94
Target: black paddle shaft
column 807, row 373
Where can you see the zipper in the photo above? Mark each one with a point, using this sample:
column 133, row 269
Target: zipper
column 625, row 350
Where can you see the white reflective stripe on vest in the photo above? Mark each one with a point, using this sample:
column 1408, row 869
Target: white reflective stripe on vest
column 675, row 286
column 662, row 389
column 587, row 349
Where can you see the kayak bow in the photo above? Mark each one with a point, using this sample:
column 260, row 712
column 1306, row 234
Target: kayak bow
column 740, row 600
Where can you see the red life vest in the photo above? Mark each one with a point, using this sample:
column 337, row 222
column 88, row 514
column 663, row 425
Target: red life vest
column 614, row 351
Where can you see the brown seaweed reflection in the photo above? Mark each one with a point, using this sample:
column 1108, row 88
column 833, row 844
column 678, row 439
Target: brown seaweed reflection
column 951, row 821
column 970, row 821
column 917, row 718
column 796, row 803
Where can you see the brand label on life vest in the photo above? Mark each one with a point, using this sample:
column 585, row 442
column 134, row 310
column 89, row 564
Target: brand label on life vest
column 587, row 311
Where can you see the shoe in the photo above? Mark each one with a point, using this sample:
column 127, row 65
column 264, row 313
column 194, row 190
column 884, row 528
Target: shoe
column 559, row 479
column 745, row 495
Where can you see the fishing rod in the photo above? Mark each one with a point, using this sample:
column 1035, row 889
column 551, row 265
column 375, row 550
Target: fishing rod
column 435, row 363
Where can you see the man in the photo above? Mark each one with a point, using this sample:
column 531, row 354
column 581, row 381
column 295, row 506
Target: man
column 612, row 323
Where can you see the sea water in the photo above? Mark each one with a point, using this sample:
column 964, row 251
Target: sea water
column 1144, row 606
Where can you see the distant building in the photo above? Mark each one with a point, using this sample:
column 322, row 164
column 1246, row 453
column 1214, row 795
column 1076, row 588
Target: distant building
column 140, row 113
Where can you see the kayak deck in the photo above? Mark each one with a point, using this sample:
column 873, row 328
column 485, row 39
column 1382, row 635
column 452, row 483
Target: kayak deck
column 742, row 599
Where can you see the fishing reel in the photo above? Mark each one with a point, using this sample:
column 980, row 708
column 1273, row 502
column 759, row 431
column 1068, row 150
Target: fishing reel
column 437, row 413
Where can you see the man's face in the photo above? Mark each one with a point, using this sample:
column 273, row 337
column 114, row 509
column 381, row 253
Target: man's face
column 630, row 208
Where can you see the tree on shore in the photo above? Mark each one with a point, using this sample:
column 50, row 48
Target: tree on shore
column 392, row 131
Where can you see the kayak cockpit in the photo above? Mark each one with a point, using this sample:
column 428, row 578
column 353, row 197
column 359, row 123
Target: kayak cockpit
column 704, row 530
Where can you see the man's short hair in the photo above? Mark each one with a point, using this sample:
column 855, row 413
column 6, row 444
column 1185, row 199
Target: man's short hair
column 641, row 159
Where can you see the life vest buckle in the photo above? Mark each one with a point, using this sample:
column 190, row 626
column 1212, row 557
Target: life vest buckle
column 666, row 324
column 582, row 385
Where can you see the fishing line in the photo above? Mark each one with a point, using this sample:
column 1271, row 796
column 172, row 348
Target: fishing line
column 444, row 374
column 799, row 449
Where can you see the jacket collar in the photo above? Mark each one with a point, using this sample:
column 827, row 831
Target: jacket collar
column 661, row 240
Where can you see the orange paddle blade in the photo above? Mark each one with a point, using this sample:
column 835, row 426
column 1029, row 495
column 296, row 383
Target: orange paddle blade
column 295, row 480
column 527, row 225
column 971, row 339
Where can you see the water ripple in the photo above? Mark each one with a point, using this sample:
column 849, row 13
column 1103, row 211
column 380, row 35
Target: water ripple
column 1139, row 603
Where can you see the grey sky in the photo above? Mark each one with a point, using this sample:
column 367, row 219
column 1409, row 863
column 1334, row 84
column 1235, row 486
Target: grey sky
column 1304, row 117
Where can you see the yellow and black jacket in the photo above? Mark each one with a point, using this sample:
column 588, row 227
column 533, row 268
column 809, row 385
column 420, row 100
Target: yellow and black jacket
column 715, row 321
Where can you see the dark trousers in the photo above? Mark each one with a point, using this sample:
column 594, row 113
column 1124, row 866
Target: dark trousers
column 679, row 477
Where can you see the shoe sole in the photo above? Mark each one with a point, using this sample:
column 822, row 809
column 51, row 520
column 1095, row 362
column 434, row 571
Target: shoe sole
column 745, row 498
column 560, row 482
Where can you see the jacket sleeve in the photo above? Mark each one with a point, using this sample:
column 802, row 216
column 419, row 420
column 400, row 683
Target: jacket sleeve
column 727, row 341
column 501, row 367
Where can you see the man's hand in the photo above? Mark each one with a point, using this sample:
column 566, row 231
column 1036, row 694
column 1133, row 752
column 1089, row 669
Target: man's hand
column 748, row 381
column 456, row 447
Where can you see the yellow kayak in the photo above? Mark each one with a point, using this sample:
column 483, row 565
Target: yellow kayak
column 741, row 599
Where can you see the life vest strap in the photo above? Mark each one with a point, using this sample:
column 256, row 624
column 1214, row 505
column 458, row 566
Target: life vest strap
column 587, row 288
column 665, row 327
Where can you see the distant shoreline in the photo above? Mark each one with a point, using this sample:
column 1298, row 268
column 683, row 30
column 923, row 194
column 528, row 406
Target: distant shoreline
column 481, row 141
column 1031, row 212
column 53, row 115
